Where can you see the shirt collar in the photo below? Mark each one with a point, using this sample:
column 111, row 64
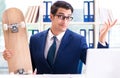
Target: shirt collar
column 59, row 37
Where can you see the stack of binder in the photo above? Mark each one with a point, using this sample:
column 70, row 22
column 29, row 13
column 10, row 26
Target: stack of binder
column 32, row 17
column 46, row 16
column 32, row 14
column 88, row 10
column 89, row 34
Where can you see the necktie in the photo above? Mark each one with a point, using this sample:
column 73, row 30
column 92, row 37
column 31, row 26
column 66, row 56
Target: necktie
column 51, row 52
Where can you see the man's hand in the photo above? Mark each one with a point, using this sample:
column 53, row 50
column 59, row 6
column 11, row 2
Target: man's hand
column 7, row 54
column 104, row 30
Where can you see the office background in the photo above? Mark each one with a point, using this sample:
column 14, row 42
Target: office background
column 88, row 15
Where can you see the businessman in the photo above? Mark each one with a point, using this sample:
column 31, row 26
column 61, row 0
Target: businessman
column 68, row 47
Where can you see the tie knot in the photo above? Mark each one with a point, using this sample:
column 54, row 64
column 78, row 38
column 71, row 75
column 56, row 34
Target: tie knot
column 54, row 38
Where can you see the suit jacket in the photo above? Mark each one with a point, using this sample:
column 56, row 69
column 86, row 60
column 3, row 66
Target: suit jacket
column 73, row 48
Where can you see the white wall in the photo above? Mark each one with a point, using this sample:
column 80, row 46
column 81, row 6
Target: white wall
column 22, row 4
column 112, row 6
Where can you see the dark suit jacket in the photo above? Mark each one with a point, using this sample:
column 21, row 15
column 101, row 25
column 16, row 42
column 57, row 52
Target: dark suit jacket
column 73, row 48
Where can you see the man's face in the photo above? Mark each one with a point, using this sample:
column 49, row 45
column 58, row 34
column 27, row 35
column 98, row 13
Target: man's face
column 61, row 20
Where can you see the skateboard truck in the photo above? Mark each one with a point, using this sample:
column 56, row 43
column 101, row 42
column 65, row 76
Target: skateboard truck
column 14, row 27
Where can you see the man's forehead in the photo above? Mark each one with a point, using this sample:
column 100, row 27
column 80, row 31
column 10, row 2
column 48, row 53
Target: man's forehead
column 63, row 11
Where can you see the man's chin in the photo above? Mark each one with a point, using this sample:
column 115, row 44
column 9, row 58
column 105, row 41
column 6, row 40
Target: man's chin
column 63, row 30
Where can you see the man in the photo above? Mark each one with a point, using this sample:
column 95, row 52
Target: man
column 70, row 47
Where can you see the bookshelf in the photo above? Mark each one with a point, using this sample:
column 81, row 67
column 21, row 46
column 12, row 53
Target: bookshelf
column 35, row 14
column 34, row 19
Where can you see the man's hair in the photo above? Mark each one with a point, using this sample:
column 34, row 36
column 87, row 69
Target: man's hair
column 60, row 4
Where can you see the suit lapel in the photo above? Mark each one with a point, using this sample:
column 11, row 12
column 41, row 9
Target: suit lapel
column 65, row 40
column 43, row 38
column 64, row 43
column 43, row 41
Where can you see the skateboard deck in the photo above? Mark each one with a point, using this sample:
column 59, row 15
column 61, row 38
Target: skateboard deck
column 16, row 39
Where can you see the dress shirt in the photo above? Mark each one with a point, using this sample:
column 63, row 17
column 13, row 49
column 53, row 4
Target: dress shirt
column 49, row 42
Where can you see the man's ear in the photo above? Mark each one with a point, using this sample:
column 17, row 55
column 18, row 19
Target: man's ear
column 51, row 16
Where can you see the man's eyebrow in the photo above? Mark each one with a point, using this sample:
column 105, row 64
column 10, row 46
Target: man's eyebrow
column 63, row 14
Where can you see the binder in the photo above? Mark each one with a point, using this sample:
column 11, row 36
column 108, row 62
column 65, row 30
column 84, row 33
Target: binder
column 91, row 38
column 83, row 32
column 35, row 16
column 35, row 31
column 28, row 14
column 91, row 11
column 85, row 10
column 32, row 14
column 88, row 11
column 46, row 16
column 32, row 31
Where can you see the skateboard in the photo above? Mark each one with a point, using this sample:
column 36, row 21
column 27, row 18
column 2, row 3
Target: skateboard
column 16, row 39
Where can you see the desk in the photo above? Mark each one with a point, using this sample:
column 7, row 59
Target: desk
column 44, row 76
column 64, row 76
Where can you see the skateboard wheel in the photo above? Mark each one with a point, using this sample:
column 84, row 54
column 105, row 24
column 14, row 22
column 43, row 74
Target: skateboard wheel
column 5, row 27
column 20, row 71
column 22, row 24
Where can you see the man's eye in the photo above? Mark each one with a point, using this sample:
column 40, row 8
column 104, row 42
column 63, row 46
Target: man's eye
column 68, row 17
column 60, row 16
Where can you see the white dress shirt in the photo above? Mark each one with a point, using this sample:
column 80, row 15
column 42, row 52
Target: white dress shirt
column 49, row 42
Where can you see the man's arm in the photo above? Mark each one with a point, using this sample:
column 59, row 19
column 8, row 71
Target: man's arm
column 103, row 32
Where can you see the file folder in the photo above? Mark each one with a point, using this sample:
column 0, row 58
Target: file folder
column 91, row 11
column 91, row 38
column 46, row 16
column 88, row 11
column 32, row 31
column 35, row 31
column 83, row 32
column 85, row 10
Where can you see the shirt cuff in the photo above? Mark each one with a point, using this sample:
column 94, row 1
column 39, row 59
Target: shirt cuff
column 104, row 44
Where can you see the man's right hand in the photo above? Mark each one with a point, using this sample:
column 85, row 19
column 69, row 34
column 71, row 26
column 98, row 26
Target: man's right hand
column 7, row 54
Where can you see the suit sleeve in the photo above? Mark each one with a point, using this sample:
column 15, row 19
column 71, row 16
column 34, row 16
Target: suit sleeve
column 101, row 46
column 84, row 48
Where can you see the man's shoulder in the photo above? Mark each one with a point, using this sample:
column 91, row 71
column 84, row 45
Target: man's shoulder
column 72, row 33
column 41, row 33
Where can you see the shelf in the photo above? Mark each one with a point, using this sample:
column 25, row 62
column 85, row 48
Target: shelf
column 79, row 23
